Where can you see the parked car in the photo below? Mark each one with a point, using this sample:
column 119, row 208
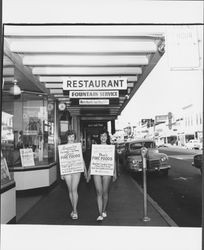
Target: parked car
column 193, row 144
column 198, row 161
column 156, row 162
column 165, row 145
column 120, row 149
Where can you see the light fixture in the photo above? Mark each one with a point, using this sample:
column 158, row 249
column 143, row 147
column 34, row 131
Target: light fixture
column 15, row 89
column 161, row 48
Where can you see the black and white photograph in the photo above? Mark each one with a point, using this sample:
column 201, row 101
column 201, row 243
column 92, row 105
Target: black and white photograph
column 101, row 124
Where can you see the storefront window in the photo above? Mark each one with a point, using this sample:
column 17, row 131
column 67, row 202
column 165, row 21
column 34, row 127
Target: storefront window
column 7, row 135
column 27, row 127
column 7, row 139
column 49, row 130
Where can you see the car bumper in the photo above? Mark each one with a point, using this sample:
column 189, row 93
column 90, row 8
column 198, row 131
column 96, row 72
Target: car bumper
column 133, row 168
column 196, row 165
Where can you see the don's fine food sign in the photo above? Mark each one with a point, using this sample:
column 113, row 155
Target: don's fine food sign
column 70, row 158
column 102, row 159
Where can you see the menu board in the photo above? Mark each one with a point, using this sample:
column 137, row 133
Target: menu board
column 27, row 158
column 102, row 159
column 71, row 158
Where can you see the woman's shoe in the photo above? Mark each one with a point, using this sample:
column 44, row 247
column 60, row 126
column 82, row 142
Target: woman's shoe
column 71, row 214
column 104, row 214
column 100, row 218
column 74, row 216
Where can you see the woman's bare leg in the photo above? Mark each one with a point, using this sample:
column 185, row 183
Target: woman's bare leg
column 68, row 180
column 106, row 185
column 99, row 192
column 74, row 187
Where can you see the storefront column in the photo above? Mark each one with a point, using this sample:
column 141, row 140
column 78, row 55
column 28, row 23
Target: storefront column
column 56, row 128
column 76, row 126
column 113, row 127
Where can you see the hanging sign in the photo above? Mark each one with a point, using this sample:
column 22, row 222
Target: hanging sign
column 50, row 106
column 97, row 83
column 70, row 158
column 102, row 159
column 183, row 47
column 61, row 106
column 27, row 158
column 93, row 102
column 94, row 94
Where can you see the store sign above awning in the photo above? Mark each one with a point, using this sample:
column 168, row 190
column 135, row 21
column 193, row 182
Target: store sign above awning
column 94, row 94
column 94, row 83
column 93, row 102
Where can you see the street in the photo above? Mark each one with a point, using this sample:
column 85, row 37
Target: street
column 179, row 194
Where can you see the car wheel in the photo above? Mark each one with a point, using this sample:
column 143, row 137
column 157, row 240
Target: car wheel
column 165, row 172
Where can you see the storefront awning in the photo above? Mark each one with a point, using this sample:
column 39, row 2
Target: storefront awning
column 100, row 54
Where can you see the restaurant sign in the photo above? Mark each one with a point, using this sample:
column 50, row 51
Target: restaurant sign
column 93, row 102
column 94, row 94
column 94, row 83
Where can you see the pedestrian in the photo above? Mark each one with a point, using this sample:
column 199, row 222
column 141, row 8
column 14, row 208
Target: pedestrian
column 102, row 182
column 72, row 180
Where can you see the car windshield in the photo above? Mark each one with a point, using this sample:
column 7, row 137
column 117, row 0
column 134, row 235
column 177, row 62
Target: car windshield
column 122, row 145
column 139, row 145
column 193, row 141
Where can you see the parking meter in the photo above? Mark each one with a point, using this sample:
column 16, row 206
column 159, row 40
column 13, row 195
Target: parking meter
column 144, row 152
column 144, row 165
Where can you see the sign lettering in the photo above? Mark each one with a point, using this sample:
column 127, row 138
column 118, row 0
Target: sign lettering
column 102, row 159
column 76, row 83
column 94, row 102
column 94, row 94
column 27, row 158
column 70, row 158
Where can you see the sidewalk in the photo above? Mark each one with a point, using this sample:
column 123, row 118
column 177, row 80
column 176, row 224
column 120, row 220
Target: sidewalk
column 125, row 207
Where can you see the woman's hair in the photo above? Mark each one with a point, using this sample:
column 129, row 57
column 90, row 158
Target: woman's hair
column 70, row 132
column 104, row 131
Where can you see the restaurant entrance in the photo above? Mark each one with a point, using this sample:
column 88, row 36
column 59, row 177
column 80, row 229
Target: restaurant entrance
column 90, row 131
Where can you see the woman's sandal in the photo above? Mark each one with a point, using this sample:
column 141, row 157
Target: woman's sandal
column 104, row 214
column 100, row 218
column 74, row 216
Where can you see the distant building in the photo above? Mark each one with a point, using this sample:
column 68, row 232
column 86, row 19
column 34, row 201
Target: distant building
column 192, row 124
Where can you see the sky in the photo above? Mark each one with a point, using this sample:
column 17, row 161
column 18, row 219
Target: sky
column 165, row 90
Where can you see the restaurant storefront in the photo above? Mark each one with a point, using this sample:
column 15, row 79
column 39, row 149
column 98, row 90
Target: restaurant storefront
column 28, row 147
column 60, row 77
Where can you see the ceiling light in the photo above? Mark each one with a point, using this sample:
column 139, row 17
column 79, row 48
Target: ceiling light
column 15, row 89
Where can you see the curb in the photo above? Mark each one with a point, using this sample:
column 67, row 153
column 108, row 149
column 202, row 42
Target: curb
column 163, row 214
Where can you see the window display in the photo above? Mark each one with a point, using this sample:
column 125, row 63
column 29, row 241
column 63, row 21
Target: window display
column 27, row 123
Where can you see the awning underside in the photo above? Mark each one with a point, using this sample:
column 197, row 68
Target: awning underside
column 47, row 53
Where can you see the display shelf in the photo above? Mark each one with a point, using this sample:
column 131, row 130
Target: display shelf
column 34, row 177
